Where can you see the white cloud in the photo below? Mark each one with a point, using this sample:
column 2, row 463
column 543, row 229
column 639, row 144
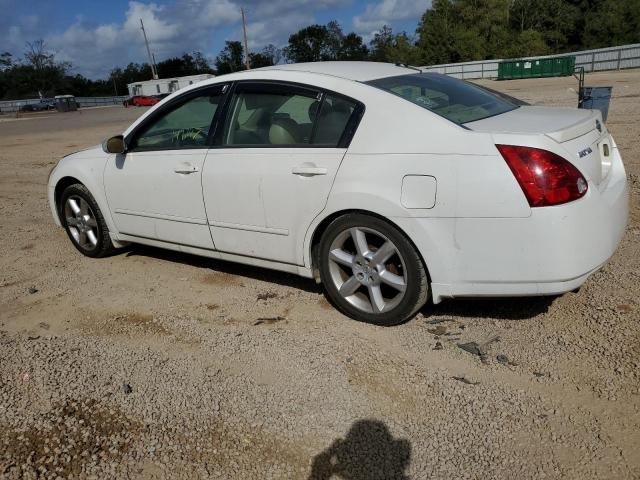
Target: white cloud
column 94, row 48
column 386, row 12
column 183, row 26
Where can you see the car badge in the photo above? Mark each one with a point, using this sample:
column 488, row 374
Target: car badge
column 585, row 152
column 599, row 126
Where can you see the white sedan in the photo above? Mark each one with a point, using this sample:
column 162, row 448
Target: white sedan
column 388, row 185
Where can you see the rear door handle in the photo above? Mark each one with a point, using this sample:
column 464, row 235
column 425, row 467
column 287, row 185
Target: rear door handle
column 185, row 168
column 308, row 170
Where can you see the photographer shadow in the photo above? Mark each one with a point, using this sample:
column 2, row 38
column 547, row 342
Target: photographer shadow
column 368, row 452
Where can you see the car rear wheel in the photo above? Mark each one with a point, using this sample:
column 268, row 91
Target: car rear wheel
column 84, row 223
column 371, row 271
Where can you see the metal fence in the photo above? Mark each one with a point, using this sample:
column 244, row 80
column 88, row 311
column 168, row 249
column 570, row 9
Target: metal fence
column 611, row 58
column 10, row 106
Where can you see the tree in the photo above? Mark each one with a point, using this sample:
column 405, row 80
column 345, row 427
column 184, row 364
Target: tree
column 325, row 42
column 613, row 22
column 382, row 41
column 353, row 48
column 270, row 55
column 435, row 31
column 230, row 59
column 274, row 53
column 188, row 64
column 40, row 71
column 403, row 50
column 311, row 44
column 6, row 60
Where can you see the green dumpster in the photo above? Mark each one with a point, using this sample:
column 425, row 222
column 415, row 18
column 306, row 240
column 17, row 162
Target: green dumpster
column 544, row 67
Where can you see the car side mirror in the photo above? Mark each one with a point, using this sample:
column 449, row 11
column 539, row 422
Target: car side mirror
column 114, row 145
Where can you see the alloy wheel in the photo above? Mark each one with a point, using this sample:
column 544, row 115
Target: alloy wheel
column 81, row 222
column 367, row 270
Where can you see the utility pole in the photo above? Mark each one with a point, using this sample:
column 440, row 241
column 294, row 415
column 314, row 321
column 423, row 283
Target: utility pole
column 154, row 72
column 246, row 45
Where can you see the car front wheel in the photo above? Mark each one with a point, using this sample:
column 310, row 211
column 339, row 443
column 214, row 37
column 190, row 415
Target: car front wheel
column 84, row 223
column 371, row 271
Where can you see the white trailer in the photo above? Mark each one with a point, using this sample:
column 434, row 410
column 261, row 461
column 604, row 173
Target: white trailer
column 165, row 85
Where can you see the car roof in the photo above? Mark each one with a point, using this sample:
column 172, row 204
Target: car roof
column 357, row 71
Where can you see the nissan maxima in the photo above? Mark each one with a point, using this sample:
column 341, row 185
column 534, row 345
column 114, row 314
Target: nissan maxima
column 390, row 186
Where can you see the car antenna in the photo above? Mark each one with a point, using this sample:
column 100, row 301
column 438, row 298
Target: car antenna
column 406, row 65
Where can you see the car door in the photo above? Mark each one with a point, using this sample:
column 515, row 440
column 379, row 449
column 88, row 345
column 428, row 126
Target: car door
column 273, row 165
column 154, row 190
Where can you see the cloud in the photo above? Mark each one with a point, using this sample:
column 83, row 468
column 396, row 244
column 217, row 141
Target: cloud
column 94, row 47
column 386, row 12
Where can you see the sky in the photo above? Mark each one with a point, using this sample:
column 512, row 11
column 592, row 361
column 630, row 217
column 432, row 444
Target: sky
column 97, row 35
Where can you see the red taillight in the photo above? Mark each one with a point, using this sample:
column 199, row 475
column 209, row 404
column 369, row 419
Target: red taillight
column 546, row 178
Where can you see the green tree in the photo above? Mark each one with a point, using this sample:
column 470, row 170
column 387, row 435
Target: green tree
column 613, row 22
column 353, row 48
column 526, row 44
column 403, row 50
column 310, row 44
column 436, row 31
column 382, row 41
column 325, row 42
column 188, row 64
column 230, row 59
column 6, row 60
column 269, row 55
column 44, row 73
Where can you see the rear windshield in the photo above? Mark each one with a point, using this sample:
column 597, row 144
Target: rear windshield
column 453, row 99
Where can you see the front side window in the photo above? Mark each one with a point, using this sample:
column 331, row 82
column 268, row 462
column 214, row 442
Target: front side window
column 456, row 100
column 186, row 126
column 286, row 117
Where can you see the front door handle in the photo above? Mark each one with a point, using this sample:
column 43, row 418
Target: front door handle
column 308, row 170
column 185, row 169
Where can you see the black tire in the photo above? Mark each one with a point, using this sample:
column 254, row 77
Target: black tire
column 409, row 266
column 103, row 246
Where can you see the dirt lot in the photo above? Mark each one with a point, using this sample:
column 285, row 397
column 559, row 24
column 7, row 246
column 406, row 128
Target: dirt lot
column 152, row 364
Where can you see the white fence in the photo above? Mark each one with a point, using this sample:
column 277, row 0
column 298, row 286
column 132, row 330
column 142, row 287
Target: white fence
column 611, row 58
column 10, row 106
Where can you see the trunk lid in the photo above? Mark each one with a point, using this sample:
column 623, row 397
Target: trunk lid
column 581, row 134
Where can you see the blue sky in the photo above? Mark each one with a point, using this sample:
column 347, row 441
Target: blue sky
column 97, row 35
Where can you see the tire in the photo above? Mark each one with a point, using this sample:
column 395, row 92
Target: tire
column 83, row 221
column 370, row 271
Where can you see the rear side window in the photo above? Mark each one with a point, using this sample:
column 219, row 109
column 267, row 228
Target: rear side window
column 333, row 117
column 270, row 118
column 453, row 99
column 263, row 115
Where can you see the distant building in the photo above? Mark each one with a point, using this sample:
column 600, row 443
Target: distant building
column 165, row 85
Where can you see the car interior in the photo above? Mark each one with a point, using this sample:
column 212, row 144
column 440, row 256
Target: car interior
column 275, row 119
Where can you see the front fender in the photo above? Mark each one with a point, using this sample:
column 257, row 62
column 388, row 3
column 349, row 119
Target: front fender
column 87, row 167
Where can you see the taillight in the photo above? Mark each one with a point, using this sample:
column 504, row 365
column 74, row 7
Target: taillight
column 545, row 178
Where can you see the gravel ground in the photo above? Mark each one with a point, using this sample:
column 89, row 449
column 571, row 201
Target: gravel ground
column 153, row 364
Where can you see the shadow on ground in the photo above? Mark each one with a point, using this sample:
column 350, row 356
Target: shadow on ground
column 368, row 452
column 511, row 308
column 231, row 268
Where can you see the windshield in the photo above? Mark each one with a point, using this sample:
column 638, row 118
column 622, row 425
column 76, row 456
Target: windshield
column 453, row 99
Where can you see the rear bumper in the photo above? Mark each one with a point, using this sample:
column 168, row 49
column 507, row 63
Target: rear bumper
column 552, row 251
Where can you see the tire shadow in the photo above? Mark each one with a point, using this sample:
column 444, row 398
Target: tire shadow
column 367, row 452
